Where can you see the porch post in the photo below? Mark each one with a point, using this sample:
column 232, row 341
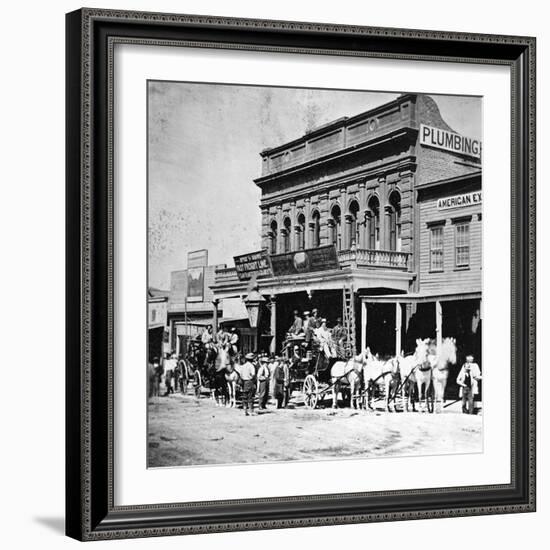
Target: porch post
column 363, row 325
column 438, row 325
column 398, row 319
column 273, row 324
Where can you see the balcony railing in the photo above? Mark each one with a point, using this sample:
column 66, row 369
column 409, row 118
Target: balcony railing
column 355, row 257
column 388, row 259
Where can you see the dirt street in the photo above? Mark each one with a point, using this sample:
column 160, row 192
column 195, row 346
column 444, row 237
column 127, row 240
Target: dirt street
column 183, row 431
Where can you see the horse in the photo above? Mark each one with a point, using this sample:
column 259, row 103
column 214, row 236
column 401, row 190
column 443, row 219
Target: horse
column 352, row 372
column 408, row 366
column 392, row 381
column 217, row 372
column 375, row 372
column 440, row 369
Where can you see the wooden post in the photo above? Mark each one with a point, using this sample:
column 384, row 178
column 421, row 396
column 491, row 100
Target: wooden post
column 215, row 317
column 273, row 324
column 363, row 325
column 438, row 325
column 398, row 321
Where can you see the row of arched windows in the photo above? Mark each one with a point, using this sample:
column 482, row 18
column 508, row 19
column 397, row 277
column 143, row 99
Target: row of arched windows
column 371, row 222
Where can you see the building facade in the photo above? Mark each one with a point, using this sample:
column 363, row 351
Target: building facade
column 157, row 315
column 397, row 193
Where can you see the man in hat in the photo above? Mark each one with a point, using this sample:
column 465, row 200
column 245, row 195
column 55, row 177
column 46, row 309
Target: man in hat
column 308, row 328
column 207, row 337
column 339, row 335
column 263, row 383
column 222, row 337
column 468, row 379
column 278, row 381
column 248, row 376
column 315, row 319
column 297, row 326
column 234, row 341
column 170, row 364
column 324, row 337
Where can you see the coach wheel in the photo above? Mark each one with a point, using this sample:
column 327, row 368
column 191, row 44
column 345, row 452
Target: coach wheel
column 311, row 391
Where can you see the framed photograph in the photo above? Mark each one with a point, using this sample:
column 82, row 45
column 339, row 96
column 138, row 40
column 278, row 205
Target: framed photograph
column 300, row 274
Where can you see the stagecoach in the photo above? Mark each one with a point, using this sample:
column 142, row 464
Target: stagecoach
column 310, row 372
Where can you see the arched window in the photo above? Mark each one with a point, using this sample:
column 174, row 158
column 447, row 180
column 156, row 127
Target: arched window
column 353, row 237
column 273, row 237
column 301, row 232
column 286, row 235
column 395, row 220
column 335, row 227
column 373, row 223
column 316, row 226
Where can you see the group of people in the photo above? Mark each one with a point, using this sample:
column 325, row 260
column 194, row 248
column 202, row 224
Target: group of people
column 264, row 375
column 314, row 331
column 177, row 375
column 221, row 338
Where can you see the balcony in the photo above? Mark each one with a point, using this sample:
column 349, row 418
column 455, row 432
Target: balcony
column 358, row 258
column 385, row 259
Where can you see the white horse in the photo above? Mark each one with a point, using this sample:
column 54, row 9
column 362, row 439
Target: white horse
column 351, row 371
column 440, row 369
column 376, row 373
column 408, row 366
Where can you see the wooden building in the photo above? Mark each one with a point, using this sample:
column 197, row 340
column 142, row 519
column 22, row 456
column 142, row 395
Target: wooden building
column 395, row 194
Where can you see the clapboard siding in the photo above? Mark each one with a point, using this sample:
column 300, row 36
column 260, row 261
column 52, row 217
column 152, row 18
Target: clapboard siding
column 457, row 279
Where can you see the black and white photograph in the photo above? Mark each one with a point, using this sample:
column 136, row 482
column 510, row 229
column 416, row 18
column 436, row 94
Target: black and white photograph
column 315, row 273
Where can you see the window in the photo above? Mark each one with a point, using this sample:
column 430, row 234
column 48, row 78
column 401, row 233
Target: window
column 301, row 232
column 395, row 221
column 316, row 241
column 436, row 248
column 353, row 237
column 462, row 244
column 273, row 237
column 335, row 227
column 373, row 222
column 286, row 235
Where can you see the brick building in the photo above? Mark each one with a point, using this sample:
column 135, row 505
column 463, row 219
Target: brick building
column 376, row 218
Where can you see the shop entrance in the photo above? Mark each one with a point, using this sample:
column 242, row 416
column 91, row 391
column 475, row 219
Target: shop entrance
column 380, row 337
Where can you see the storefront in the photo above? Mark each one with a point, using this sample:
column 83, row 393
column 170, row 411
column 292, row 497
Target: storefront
column 157, row 308
column 374, row 218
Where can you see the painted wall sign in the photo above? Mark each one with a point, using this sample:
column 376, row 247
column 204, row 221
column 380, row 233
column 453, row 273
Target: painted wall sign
column 255, row 262
column 449, row 141
column 195, row 284
column 323, row 258
column 458, row 201
column 197, row 258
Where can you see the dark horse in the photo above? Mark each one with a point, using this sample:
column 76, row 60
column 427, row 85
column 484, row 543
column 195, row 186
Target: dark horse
column 206, row 359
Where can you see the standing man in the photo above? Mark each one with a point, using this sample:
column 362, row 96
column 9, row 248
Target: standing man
column 278, row 382
column 286, row 383
column 315, row 320
column 339, row 335
column 468, row 379
column 170, row 364
column 248, row 376
column 263, row 383
column 297, row 326
column 308, row 327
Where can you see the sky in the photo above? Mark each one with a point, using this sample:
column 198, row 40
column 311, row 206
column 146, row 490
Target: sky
column 204, row 153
